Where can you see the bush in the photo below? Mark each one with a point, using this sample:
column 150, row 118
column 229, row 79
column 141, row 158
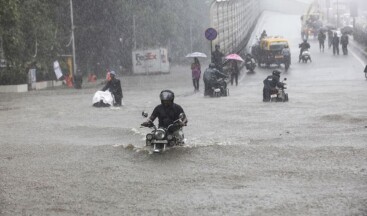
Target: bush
column 11, row 76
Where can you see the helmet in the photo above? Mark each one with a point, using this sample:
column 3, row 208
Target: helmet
column 305, row 40
column 217, row 46
column 167, row 95
column 276, row 73
column 211, row 65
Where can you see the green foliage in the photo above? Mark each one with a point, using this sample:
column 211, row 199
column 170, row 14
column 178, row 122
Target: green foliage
column 40, row 31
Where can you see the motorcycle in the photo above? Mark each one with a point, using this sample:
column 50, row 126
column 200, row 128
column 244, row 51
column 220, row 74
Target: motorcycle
column 278, row 94
column 250, row 64
column 162, row 138
column 306, row 56
column 220, row 88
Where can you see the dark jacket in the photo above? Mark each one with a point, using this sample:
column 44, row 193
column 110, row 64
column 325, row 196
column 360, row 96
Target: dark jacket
column 272, row 81
column 217, row 58
column 114, row 85
column 304, row 45
column 211, row 75
column 344, row 40
column 321, row 37
column 336, row 41
column 166, row 114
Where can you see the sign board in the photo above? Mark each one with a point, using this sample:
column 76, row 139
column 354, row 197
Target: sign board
column 32, row 76
column 150, row 61
column 211, row 34
column 57, row 70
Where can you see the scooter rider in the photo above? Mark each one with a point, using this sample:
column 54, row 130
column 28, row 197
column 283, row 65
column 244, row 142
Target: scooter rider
column 211, row 76
column 270, row 84
column 167, row 112
column 303, row 46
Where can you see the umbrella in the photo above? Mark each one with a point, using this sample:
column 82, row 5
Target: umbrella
column 234, row 57
column 347, row 29
column 196, row 55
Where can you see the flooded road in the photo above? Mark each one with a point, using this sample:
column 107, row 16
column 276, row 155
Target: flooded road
column 61, row 156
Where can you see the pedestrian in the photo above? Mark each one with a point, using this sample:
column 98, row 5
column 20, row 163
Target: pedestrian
column 234, row 71
column 330, row 38
column 344, row 41
column 321, row 37
column 196, row 73
column 336, row 44
column 217, row 58
column 114, row 86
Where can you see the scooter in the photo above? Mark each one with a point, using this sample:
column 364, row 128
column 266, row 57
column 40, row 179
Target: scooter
column 220, row 88
column 306, row 56
column 162, row 138
column 250, row 64
column 279, row 95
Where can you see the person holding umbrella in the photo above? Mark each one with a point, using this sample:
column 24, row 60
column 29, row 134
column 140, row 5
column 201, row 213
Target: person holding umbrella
column 196, row 72
column 234, row 71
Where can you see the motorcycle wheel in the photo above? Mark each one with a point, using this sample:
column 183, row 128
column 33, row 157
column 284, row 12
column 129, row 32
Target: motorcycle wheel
column 273, row 100
column 286, row 98
column 365, row 74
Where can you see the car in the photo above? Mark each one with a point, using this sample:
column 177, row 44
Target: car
column 270, row 51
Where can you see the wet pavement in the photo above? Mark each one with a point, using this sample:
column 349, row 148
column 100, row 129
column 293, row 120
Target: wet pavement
column 61, row 156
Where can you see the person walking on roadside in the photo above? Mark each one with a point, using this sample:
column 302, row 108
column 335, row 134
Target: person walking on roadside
column 321, row 37
column 336, row 42
column 196, row 73
column 330, row 38
column 344, row 41
column 217, row 58
column 234, row 71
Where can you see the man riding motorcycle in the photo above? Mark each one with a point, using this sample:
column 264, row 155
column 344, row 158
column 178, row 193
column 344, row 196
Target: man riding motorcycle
column 167, row 112
column 303, row 46
column 250, row 62
column 270, row 84
column 217, row 58
column 211, row 76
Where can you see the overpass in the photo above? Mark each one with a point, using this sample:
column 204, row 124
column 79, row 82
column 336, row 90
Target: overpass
column 235, row 20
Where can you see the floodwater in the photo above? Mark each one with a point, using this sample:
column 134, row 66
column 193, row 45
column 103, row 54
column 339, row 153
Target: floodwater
column 61, row 156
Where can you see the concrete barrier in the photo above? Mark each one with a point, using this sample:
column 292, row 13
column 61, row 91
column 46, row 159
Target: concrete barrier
column 14, row 88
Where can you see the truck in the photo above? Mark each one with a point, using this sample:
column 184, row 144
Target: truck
column 150, row 61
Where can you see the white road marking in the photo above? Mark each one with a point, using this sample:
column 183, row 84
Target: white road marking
column 358, row 58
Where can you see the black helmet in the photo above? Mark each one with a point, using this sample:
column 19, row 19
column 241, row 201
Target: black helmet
column 217, row 46
column 167, row 95
column 276, row 73
column 211, row 65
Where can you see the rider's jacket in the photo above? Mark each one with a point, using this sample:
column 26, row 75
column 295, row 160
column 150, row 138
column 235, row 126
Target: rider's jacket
column 166, row 114
column 272, row 81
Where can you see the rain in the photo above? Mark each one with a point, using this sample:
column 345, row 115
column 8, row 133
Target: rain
column 66, row 149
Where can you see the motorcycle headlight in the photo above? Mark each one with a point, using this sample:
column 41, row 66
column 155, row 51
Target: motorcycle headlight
column 149, row 136
column 159, row 134
column 169, row 137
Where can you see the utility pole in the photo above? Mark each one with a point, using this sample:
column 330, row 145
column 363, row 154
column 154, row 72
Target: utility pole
column 72, row 36
column 337, row 13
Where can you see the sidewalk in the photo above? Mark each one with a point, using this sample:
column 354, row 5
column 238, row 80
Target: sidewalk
column 356, row 45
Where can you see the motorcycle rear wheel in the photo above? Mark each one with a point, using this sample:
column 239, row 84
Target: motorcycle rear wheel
column 365, row 74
